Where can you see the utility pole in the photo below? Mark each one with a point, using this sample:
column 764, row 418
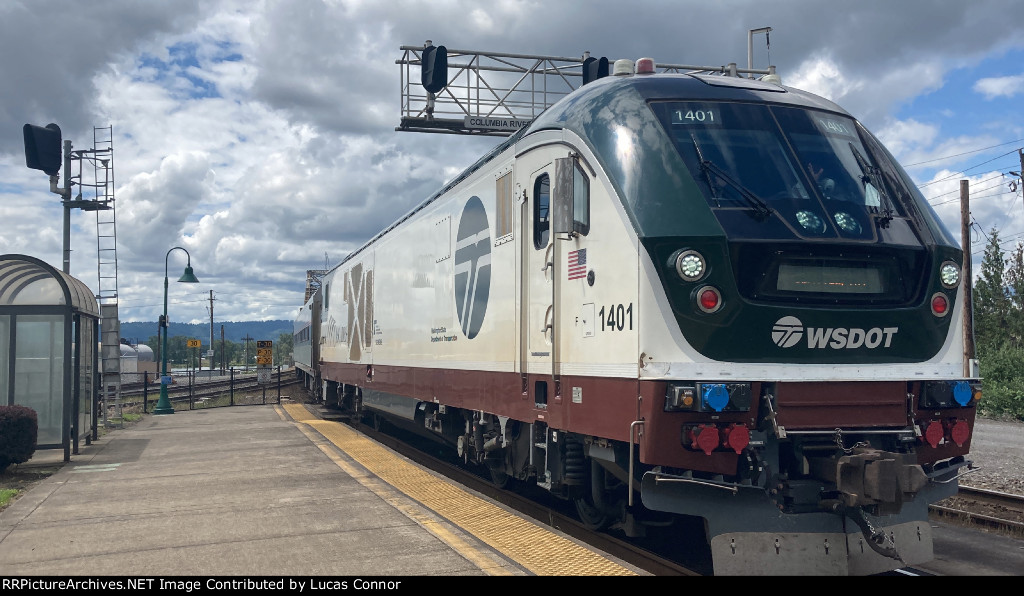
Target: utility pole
column 66, row 195
column 211, row 331
column 247, row 340
column 1017, row 184
column 223, row 352
column 968, row 278
column 1020, row 174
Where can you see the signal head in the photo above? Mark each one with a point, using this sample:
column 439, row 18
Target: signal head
column 42, row 148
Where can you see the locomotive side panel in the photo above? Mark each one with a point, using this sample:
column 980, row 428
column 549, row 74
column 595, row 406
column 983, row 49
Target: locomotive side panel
column 460, row 318
column 428, row 311
column 344, row 313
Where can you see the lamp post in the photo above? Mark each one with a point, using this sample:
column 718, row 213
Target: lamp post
column 163, row 405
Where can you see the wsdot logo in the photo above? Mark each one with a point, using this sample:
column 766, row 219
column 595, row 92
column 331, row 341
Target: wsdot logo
column 788, row 331
column 472, row 267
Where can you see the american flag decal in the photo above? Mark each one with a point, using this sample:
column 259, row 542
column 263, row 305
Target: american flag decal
column 578, row 264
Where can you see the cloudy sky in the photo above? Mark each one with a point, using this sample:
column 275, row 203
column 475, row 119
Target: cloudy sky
column 260, row 135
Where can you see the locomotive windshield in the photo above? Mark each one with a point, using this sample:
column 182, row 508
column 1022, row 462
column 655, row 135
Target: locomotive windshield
column 775, row 172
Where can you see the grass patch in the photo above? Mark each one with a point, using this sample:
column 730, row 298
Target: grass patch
column 6, row 495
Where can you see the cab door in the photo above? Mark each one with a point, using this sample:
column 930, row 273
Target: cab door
column 544, row 271
column 538, row 291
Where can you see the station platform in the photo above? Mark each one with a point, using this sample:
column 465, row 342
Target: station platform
column 269, row 491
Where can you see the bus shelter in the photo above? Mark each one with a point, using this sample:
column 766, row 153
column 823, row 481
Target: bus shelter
column 49, row 329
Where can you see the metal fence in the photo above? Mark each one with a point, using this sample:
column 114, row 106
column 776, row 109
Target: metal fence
column 195, row 390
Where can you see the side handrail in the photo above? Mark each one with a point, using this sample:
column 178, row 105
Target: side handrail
column 632, row 433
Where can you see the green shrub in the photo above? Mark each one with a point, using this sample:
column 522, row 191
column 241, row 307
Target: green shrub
column 1001, row 365
column 19, row 431
column 1002, row 399
column 1002, row 378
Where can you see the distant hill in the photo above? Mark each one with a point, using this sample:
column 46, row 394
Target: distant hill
column 235, row 331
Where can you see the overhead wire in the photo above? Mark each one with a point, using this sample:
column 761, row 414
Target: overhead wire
column 972, row 195
column 910, row 165
column 961, row 172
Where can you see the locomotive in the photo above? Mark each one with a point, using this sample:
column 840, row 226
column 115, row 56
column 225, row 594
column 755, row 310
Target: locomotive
column 692, row 295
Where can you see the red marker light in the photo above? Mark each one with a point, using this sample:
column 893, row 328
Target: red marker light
column 939, row 305
column 709, row 299
column 645, row 66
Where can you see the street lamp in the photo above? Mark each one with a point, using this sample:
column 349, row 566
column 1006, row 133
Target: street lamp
column 163, row 406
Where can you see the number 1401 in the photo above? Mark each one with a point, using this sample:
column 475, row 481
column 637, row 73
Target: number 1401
column 616, row 317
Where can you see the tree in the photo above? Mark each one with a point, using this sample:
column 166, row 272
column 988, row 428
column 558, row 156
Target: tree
column 283, row 350
column 1015, row 284
column 991, row 299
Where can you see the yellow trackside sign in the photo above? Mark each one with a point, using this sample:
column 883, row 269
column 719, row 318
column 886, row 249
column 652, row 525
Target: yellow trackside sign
column 194, row 343
column 264, row 352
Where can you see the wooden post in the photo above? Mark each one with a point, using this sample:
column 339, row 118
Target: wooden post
column 968, row 277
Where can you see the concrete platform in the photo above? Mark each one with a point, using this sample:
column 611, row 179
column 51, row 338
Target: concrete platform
column 254, row 491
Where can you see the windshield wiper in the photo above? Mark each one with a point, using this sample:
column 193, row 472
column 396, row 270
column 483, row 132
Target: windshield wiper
column 873, row 175
column 760, row 207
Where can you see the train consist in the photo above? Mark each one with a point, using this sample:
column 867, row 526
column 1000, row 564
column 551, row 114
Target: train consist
column 676, row 295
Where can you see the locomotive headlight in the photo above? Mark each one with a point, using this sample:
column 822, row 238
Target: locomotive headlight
column 949, row 274
column 690, row 265
column 810, row 222
column 847, row 222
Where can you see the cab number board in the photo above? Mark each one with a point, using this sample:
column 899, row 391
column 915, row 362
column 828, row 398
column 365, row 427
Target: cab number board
column 695, row 117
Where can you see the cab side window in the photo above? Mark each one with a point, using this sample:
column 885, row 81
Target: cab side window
column 580, row 201
column 541, row 211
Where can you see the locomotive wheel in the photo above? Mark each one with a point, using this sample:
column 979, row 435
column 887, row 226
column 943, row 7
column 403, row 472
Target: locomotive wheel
column 498, row 477
column 592, row 517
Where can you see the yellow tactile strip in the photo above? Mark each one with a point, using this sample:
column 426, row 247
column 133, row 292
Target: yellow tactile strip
column 534, row 547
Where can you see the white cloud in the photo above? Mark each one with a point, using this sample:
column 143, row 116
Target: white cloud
column 822, row 76
column 261, row 135
column 1000, row 86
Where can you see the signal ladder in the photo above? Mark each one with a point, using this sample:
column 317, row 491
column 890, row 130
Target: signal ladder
column 106, row 257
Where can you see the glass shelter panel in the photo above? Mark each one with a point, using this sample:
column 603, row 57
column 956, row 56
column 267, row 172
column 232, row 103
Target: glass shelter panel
column 39, row 372
column 86, row 355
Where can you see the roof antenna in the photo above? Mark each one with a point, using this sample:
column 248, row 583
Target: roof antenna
column 750, row 47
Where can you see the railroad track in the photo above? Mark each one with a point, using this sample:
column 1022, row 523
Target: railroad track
column 242, row 386
column 984, row 509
